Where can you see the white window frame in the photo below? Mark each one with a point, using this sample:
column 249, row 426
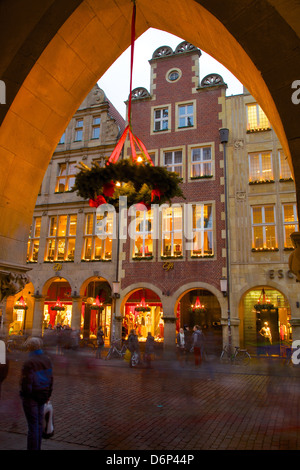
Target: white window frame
column 202, row 230
column 181, row 104
column 264, row 226
column 161, row 120
column 96, row 127
column 186, row 115
column 34, row 239
column 284, row 168
column 78, row 130
column 143, row 219
column 201, row 162
column 287, row 241
column 262, row 122
column 261, row 176
column 68, row 177
column 67, row 237
column 153, row 120
column 173, row 165
column 168, row 229
column 93, row 237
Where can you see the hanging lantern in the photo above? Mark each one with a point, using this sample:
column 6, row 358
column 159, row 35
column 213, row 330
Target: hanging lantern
column 21, row 304
column 58, row 307
column 263, row 303
column 97, row 304
column 142, row 307
column 136, row 178
column 197, row 307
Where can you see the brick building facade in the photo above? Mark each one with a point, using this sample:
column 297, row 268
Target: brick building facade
column 160, row 280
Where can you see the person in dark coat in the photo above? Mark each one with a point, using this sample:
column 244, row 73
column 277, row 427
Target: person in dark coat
column 180, row 346
column 198, row 344
column 187, row 342
column 133, row 346
column 149, row 350
column 100, row 342
column 35, row 390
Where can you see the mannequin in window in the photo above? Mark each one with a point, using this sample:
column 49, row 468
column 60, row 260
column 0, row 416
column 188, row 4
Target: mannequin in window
column 265, row 332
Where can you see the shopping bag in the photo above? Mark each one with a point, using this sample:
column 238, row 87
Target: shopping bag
column 127, row 355
column 48, row 422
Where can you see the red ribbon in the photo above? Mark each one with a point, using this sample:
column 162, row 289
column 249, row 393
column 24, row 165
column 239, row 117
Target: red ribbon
column 109, row 189
column 97, row 202
column 132, row 138
column 155, row 192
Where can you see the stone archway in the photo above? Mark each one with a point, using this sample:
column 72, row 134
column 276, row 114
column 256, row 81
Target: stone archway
column 54, row 58
column 262, row 304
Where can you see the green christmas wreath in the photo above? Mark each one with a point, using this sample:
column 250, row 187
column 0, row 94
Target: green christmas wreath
column 141, row 183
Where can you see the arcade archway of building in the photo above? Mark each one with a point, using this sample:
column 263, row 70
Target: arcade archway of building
column 82, row 45
column 265, row 322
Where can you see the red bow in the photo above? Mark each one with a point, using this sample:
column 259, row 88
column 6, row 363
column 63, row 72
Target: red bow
column 156, row 192
column 97, row 202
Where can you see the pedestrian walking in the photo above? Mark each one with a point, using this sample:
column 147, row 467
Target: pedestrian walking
column 149, row 350
column 198, row 345
column 100, row 342
column 134, row 348
column 180, row 346
column 187, row 342
column 35, row 390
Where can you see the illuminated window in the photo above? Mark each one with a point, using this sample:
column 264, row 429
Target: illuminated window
column 61, row 238
column 285, row 170
column 260, row 167
column 96, row 128
column 34, row 240
column 161, row 119
column 290, row 223
column 202, row 230
column 98, row 236
column 143, row 242
column 186, row 115
column 173, row 161
column 256, row 118
column 66, row 177
column 201, row 162
column 79, row 130
column 171, row 231
column 263, row 228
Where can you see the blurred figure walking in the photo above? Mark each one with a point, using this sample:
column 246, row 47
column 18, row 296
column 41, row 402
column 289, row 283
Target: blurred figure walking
column 35, row 390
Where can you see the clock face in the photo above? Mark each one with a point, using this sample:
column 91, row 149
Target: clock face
column 173, row 75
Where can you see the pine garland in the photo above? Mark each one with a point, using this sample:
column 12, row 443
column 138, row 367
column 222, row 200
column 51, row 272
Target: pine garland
column 141, row 183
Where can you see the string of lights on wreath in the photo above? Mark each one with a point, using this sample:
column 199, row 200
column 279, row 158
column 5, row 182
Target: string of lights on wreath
column 136, row 177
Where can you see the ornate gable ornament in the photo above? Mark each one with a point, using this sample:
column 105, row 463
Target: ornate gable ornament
column 185, row 47
column 213, row 79
column 162, row 51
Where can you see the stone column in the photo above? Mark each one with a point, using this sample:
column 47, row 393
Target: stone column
column 294, row 265
column 169, row 337
column 116, row 321
column 76, row 312
column 38, row 313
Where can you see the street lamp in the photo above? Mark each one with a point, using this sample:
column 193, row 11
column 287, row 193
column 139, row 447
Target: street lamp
column 223, row 285
column 224, row 133
column 116, row 289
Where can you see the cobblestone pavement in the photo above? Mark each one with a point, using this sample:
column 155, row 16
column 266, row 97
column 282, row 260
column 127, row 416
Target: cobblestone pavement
column 105, row 405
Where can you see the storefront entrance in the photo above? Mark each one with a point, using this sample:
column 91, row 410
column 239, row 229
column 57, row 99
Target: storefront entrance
column 96, row 309
column 58, row 305
column 143, row 312
column 201, row 307
column 265, row 325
